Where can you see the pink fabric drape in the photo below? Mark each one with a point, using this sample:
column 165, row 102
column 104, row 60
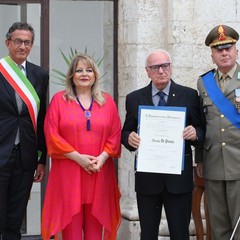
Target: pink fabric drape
column 69, row 186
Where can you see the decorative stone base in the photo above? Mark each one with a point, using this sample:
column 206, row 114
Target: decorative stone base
column 130, row 230
column 130, row 227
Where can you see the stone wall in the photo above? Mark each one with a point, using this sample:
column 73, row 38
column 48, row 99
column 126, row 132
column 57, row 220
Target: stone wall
column 180, row 27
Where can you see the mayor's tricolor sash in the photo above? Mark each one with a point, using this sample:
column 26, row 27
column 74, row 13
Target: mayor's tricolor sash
column 221, row 102
column 22, row 86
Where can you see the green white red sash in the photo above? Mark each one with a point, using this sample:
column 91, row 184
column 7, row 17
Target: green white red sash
column 22, row 86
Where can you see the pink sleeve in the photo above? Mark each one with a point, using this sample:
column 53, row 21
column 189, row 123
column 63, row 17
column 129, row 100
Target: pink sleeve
column 56, row 145
column 113, row 143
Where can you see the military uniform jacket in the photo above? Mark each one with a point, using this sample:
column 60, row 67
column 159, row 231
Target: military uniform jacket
column 221, row 147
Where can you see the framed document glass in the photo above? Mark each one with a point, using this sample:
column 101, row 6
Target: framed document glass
column 161, row 149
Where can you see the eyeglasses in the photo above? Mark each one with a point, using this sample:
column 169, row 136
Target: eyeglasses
column 155, row 68
column 18, row 42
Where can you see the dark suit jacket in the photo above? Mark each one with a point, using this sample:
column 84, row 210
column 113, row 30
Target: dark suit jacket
column 180, row 96
column 10, row 119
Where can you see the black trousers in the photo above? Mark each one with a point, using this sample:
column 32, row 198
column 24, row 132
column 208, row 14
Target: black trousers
column 178, row 213
column 15, row 187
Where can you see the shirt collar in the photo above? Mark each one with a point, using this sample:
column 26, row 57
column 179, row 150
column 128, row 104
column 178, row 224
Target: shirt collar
column 165, row 90
column 23, row 64
column 230, row 73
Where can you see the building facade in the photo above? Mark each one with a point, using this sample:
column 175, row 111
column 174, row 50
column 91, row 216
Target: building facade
column 123, row 32
column 180, row 27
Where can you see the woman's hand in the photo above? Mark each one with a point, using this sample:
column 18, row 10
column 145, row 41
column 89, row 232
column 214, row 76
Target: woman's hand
column 87, row 162
column 101, row 159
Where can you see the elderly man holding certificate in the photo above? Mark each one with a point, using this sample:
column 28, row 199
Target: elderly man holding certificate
column 162, row 123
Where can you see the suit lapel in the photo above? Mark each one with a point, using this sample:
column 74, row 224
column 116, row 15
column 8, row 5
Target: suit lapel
column 146, row 95
column 10, row 91
column 30, row 74
column 174, row 95
column 234, row 82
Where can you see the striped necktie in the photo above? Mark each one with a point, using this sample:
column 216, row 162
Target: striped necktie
column 222, row 82
column 162, row 101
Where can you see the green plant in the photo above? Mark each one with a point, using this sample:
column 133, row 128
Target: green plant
column 61, row 76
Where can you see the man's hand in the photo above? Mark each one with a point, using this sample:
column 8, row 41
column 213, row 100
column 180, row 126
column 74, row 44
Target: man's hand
column 189, row 133
column 133, row 140
column 199, row 170
column 39, row 173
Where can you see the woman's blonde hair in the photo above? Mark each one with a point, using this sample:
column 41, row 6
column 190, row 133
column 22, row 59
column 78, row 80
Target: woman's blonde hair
column 97, row 93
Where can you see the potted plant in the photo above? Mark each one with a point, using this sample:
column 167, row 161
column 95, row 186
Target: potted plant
column 61, row 76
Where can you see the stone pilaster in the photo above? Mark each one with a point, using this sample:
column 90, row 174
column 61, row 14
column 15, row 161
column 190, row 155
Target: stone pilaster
column 180, row 27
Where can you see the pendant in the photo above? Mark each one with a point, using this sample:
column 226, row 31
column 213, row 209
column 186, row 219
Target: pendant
column 87, row 114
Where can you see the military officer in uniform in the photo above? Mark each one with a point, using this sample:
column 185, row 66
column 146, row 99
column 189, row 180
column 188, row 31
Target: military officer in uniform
column 219, row 158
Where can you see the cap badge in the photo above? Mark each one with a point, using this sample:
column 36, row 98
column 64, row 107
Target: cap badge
column 221, row 33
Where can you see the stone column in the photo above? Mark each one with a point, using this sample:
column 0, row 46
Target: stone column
column 141, row 27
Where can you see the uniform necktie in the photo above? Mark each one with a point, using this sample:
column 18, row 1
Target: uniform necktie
column 162, row 101
column 223, row 81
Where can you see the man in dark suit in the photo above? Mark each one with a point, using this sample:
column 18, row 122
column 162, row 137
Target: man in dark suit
column 23, row 88
column 155, row 190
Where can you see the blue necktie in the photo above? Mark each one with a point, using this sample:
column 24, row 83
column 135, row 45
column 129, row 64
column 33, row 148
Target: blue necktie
column 162, row 101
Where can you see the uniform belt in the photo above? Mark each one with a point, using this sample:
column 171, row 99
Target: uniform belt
column 16, row 146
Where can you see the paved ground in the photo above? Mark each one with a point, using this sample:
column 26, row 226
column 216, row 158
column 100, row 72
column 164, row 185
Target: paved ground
column 31, row 238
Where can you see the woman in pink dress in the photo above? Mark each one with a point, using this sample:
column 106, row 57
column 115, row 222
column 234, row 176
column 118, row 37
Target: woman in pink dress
column 83, row 132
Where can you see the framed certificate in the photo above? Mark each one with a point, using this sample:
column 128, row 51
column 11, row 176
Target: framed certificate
column 161, row 149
